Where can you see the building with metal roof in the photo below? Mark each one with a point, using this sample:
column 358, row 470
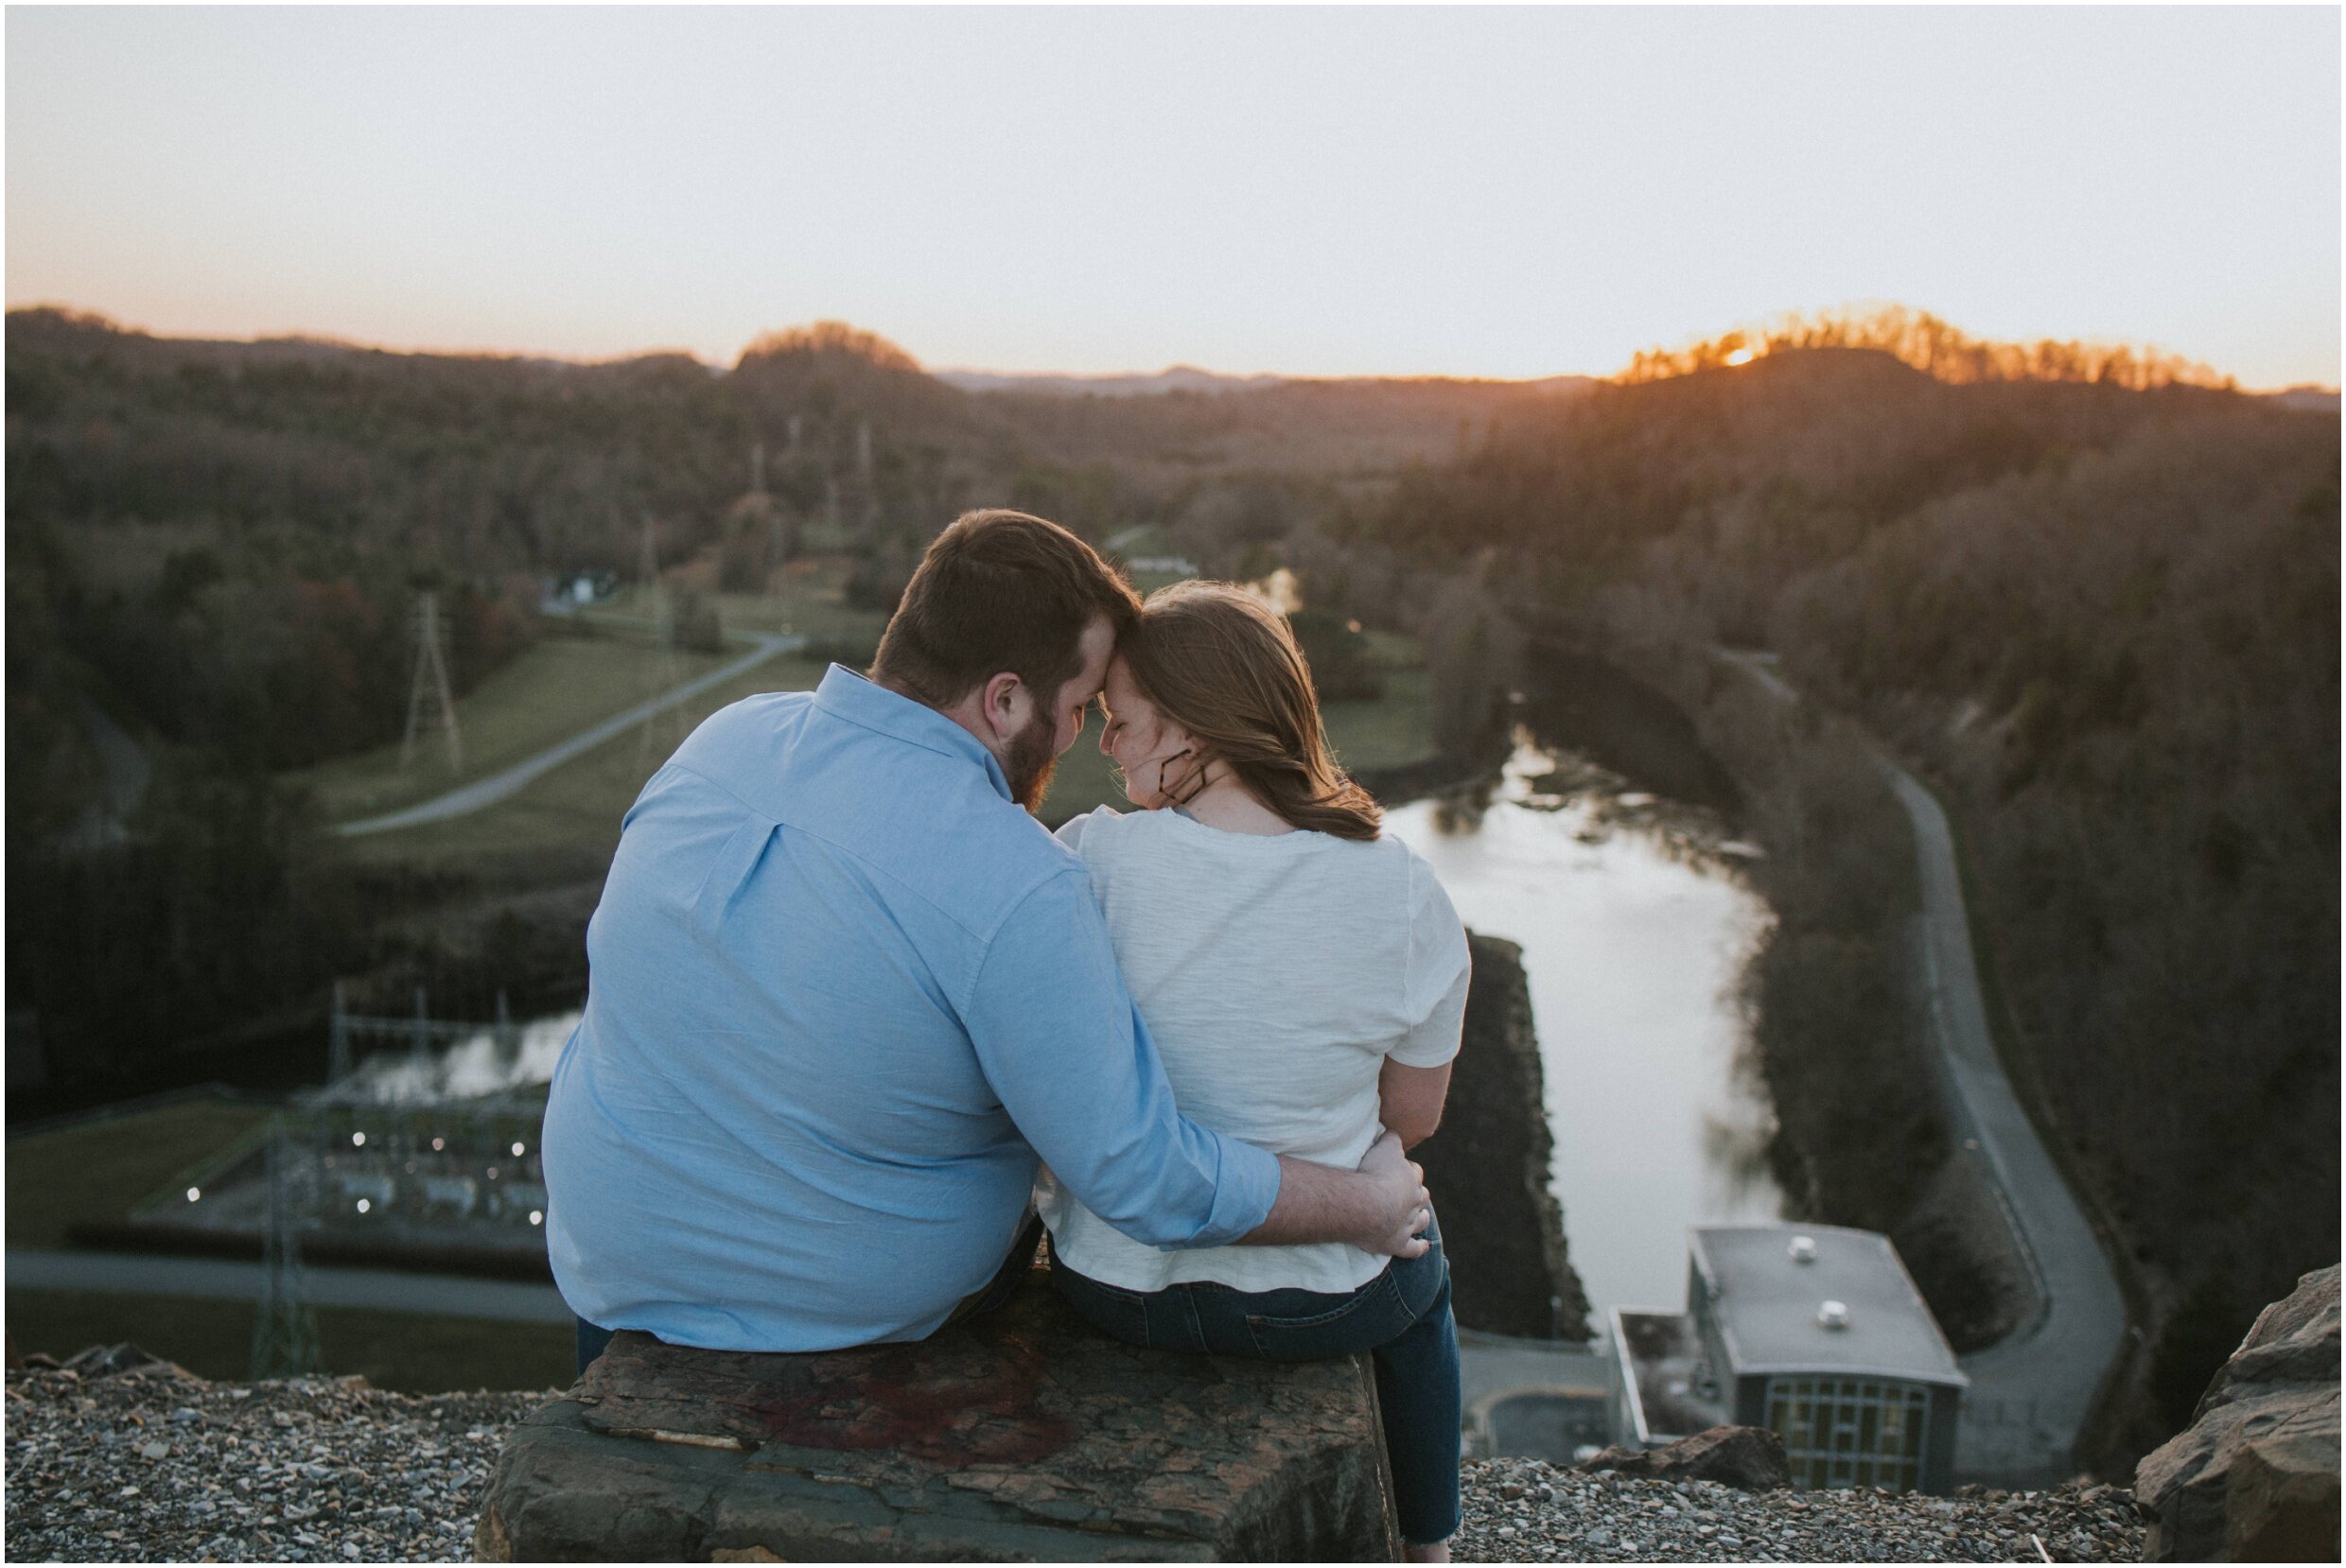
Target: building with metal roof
column 1814, row 1330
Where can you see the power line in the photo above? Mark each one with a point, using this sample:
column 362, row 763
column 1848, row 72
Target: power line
column 431, row 705
column 285, row 1330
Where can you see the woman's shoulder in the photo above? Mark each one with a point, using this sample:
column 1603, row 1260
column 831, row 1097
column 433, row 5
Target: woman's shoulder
column 1384, row 868
column 1406, row 874
column 1105, row 830
column 1088, row 831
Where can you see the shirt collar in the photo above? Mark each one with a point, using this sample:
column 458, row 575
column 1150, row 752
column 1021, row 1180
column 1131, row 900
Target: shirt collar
column 844, row 694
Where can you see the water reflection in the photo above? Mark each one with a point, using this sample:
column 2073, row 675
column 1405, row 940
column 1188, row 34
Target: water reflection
column 1634, row 929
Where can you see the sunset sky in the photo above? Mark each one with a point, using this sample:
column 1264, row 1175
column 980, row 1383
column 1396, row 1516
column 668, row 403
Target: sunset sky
column 1501, row 192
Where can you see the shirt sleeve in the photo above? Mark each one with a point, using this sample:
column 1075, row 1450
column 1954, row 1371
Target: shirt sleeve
column 1060, row 1042
column 1434, row 985
column 1071, row 831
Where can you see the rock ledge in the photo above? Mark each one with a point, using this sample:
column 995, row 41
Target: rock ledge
column 1023, row 1436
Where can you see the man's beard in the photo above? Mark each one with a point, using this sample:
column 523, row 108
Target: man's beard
column 1031, row 762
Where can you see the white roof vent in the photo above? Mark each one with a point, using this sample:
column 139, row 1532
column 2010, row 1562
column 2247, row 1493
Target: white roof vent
column 1803, row 1249
column 1832, row 1314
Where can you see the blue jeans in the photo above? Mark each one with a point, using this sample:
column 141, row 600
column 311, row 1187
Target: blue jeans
column 1402, row 1317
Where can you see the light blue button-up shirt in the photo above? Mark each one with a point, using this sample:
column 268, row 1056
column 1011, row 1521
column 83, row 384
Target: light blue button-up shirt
column 842, row 992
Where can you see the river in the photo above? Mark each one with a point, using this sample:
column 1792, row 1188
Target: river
column 1634, row 929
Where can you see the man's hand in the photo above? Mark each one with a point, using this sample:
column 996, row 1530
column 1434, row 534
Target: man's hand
column 1409, row 1207
column 1379, row 1208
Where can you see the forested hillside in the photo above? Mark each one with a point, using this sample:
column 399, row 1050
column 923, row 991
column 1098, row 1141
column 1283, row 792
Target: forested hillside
column 2105, row 621
column 215, row 549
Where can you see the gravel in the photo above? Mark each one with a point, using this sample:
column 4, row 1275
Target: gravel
column 155, row 1464
column 1526, row 1511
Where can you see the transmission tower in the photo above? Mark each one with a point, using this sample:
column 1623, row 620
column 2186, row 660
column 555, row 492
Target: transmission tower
column 285, row 1332
column 338, row 1039
column 864, row 479
column 429, row 704
column 663, row 619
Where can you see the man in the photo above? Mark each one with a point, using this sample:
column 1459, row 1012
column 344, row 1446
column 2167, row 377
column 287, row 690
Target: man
column 844, row 989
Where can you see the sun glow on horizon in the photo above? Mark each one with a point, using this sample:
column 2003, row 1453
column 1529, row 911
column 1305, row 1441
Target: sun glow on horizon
column 1305, row 193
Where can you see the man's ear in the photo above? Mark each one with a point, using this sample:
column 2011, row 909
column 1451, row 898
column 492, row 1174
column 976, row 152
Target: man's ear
column 1009, row 707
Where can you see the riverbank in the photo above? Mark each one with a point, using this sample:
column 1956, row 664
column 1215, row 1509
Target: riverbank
column 156, row 1464
column 1488, row 1167
column 1839, row 1032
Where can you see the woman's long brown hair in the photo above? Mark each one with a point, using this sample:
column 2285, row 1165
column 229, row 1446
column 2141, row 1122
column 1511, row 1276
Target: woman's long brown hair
column 1223, row 665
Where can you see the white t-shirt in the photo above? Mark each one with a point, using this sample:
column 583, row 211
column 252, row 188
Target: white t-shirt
column 1277, row 975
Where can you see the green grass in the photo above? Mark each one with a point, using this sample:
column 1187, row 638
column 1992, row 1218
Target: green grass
column 810, row 602
column 577, row 807
column 1395, row 650
column 100, row 1170
column 1147, row 583
column 558, row 686
column 809, row 614
column 583, row 670
column 1390, row 730
column 409, row 1352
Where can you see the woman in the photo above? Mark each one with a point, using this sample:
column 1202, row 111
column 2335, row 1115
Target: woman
column 1304, row 980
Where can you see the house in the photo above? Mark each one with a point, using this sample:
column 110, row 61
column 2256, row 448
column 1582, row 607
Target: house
column 1814, row 1331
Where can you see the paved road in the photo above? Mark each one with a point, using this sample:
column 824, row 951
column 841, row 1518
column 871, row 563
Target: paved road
column 498, row 786
column 2030, row 1392
column 226, row 1280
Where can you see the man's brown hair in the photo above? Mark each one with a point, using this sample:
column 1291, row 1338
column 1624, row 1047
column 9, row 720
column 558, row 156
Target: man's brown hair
column 997, row 591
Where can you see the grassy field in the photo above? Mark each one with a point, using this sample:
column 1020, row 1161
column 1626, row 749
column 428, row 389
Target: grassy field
column 409, row 1352
column 566, row 683
column 582, row 670
column 577, row 807
column 99, row 1170
column 558, row 686
column 808, row 598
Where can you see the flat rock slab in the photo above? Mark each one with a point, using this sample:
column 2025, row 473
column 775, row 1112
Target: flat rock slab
column 1021, row 1437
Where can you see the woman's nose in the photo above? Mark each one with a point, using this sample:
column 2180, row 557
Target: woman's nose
column 1106, row 750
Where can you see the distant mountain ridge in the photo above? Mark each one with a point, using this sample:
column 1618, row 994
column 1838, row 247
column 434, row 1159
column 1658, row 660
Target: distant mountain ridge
column 1190, row 379
column 2318, row 399
column 1172, row 378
